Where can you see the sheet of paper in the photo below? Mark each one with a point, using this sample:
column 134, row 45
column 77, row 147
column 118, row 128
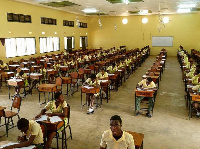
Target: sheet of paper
column 103, row 80
column 42, row 118
column 88, row 87
column 110, row 74
column 12, row 143
column 55, row 119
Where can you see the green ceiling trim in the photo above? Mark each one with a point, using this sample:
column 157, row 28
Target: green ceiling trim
column 122, row 1
column 59, row 4
column 138, row 12
column 134, row 12
column 97, row 14
column 195, row 9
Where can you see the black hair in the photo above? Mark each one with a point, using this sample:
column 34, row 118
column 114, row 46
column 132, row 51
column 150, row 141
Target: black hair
column 22, row 123
column 93, row 76
column 21, row 72
column 57, row 95
column 116, row 117
column 149, row 79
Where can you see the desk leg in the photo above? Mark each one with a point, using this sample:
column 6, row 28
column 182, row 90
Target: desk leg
column 39, row 96
column 81, row 100
column 9, row 91
column 190, row 108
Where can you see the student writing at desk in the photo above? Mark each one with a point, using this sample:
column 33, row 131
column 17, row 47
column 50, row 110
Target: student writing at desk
column 20, row 74
column 102, row 75
column 57, row 107
column 196, row 104
column 116, row 138
column 31, row 134
column 93, row 81
column 148, row 84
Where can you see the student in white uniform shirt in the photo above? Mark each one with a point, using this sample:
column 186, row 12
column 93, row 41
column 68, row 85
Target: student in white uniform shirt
column 93, row 81
column 115, row 137
column 145, row 83
column 102, row 74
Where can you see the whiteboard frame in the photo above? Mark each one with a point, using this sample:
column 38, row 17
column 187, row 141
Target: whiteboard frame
column 163, row 45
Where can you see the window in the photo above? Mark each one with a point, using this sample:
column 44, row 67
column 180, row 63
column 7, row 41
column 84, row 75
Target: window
column 49, row 44
column 19, row 46
column 83, row 42
column 69, row 42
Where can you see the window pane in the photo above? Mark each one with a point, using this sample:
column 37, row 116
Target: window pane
column 80, row 42
column 65, row 42
column 21, row 46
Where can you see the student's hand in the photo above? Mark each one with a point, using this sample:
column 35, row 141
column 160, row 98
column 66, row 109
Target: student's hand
column 49, row 114
column 21, row 139
column 38, row 116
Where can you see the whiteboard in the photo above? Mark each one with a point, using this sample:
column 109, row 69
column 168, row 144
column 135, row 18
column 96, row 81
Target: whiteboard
column 162, row 41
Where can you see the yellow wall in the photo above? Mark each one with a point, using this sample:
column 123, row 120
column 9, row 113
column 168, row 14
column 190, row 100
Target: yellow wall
column 22, row 29
column 185, row 28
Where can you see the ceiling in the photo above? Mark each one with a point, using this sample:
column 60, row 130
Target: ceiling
column 116, row 7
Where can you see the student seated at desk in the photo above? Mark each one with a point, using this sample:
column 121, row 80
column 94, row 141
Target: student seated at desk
column 115, row 137
column 149, row 84
column 3, row 65
column 93, row 81
column 57, row 107
column 195, row 104
column 102, row 75
column 31, row 134
column 20, row 74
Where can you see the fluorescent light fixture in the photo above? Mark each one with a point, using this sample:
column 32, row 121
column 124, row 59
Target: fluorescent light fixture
column 187, row 6
column 29, row 32
column 43, row 33
column 144, row 11
column 125, row 21
column 144, row 20
column 183, row 10
column 90, row 10
column 165, row 20
column 126, row 1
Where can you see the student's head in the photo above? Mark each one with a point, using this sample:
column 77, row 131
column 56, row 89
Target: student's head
column 115, row 125
column 23, row 124
column 149, row 79
column 93, row 76
column 102, row 70
column 59, row 97
column 21, row 73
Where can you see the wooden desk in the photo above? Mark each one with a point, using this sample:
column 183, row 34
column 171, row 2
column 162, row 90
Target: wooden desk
column 193, row 98
column 54, row 126
column 16, row 83
column 36, row 76
column 13, row 67
column 114, row 79
column 93, row 90
column 26, row 70
column 144, row 93
column 7, row 75
column 49, row 88
column 66, row 80
column 64, row 70
column 105, row 86
column 138, row 139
